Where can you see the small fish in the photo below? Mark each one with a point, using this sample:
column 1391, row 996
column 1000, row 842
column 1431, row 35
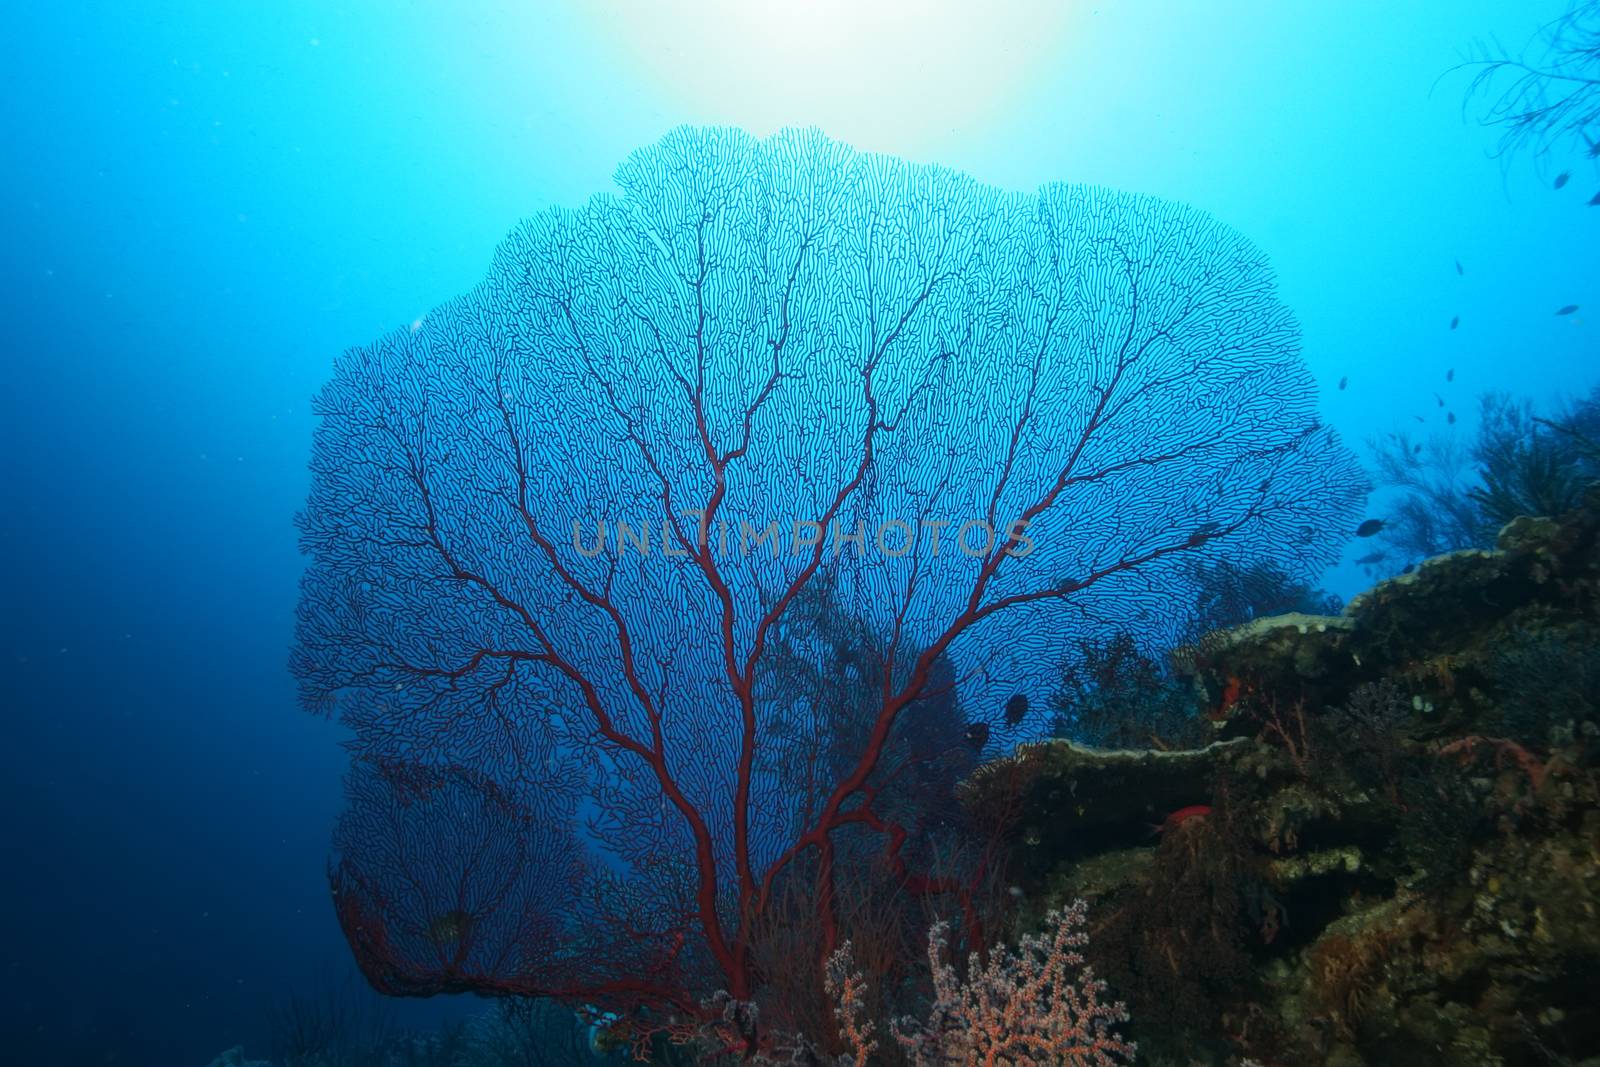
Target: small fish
column 1416, row 448
column 1371, row 559
column 1016, row 709
column 977, row 736
column 1455, row 322
column 1368, row 528
column 1561, row 179
column 1594, row 201
column 1450, row 375
column 1344, row 381
column 1458, row 267
column 1419, row 418
column 1594, row 147
column 1450, row 417
column 1439, row 398
column 1569, row 309
column 1408, row 568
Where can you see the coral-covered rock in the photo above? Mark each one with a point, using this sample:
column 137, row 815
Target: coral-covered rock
column 1072, row 800
column 1393, row 851
column 1435, row 630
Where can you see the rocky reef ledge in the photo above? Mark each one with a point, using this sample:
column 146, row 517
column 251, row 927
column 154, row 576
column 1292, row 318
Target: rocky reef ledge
column 1391, row 851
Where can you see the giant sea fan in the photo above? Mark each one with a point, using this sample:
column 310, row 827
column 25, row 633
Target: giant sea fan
column 754, row 331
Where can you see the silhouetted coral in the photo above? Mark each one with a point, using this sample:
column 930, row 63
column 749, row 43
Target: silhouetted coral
column 1452, row 494
column 1113, row 694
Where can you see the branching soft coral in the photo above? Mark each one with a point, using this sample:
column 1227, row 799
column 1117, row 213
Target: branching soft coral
column 848, row 990
column 1039, row 1006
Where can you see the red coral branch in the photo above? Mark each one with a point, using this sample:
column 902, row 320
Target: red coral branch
column 1467, row 748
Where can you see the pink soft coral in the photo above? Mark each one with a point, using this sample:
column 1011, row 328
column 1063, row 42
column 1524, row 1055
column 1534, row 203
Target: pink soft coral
column 1039, row 1006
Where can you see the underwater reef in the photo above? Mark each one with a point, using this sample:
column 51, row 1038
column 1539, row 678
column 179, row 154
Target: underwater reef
column 1391, row 849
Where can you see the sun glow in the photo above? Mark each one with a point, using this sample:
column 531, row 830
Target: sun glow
column 891, row 75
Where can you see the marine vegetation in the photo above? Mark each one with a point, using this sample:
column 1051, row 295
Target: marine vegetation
column 779, row 437
column 1451, row 495
column 1115, row 694
column 1125, row 689
column 1546, row 98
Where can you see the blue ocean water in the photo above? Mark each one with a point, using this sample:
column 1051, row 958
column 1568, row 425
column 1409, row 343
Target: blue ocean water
column 207, row 203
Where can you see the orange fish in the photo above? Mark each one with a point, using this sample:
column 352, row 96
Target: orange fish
column 1181, row 816
column 1231, row 692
